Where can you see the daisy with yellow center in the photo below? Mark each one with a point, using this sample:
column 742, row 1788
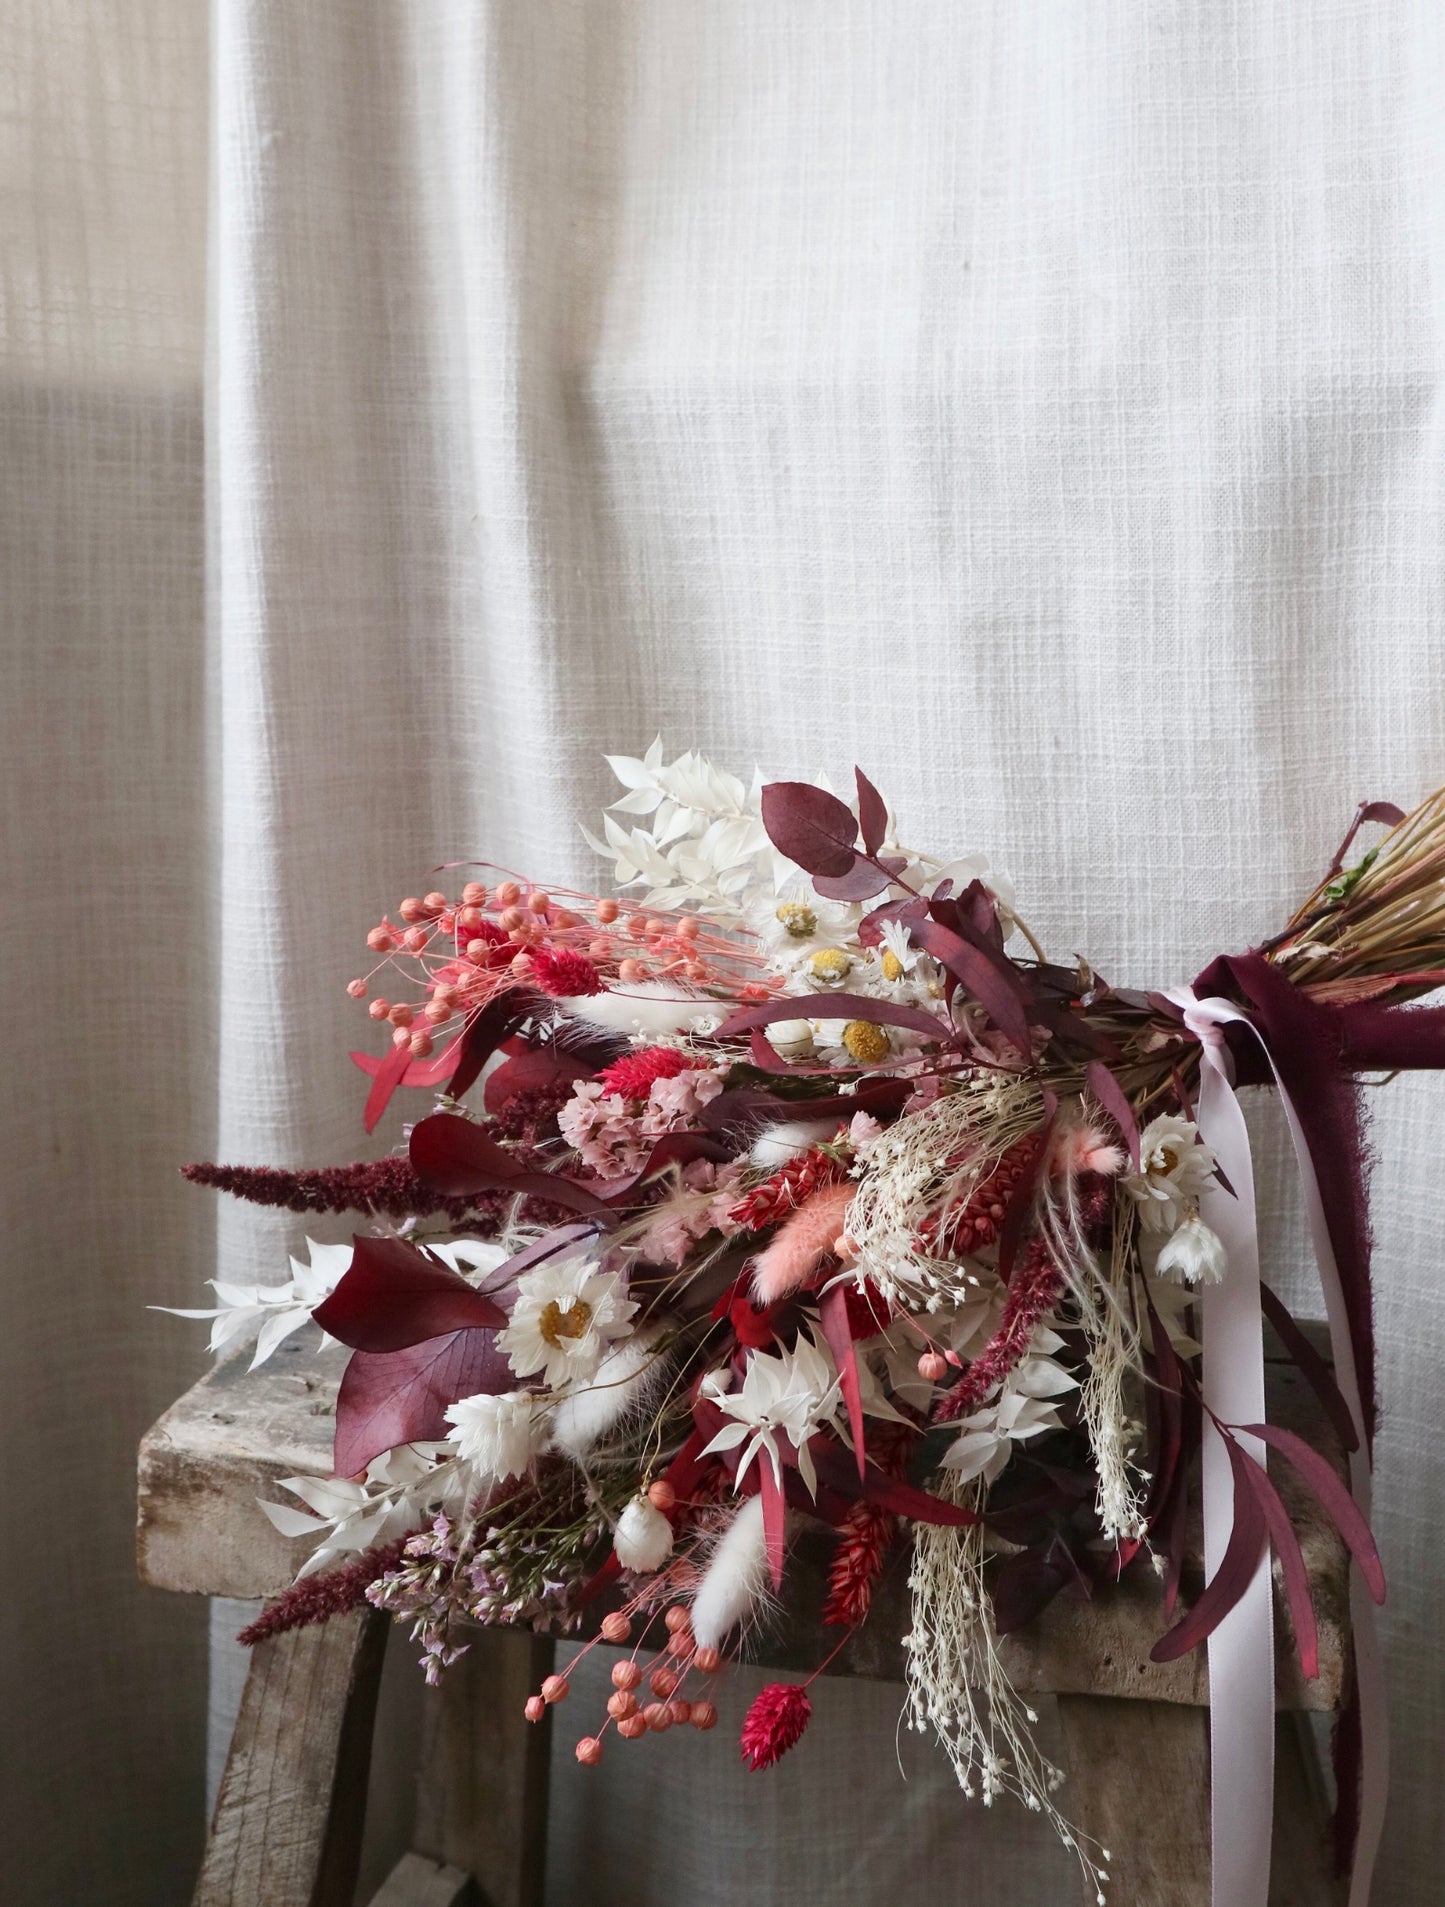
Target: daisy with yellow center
column 563, row 1320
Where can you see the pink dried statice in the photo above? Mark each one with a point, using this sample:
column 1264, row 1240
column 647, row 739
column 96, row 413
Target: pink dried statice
column 774, row 1723
column 615, row 1136
column 1035, row 1288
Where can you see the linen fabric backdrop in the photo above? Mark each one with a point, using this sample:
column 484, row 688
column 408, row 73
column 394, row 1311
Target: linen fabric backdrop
column 1040, row 405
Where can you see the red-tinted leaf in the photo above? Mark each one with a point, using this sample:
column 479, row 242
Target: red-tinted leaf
column 976, row 972
column 421, row 1072
column 399, row 1397
column 496, row 1022
column 1226, row 1586
column 833, row 1315
column 872, row 813
column 1334, row 1498
column 457, row 1157
column 394, row 1295
column 810, row 826
column 870, row 928
column 555, row 1190
column 862, row 881
column 1115, row 1101
column 774, row 1518
column 1291, row 1558
column 384, row 1084
column 832, row 1006
column 674, row 1148
column 530, row 1067
column 1312, row 1367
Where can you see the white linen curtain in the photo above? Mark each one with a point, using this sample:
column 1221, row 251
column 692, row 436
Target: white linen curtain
column 1037, row 403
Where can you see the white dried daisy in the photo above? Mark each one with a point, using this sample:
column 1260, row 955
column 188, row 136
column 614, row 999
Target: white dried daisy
column 563, row 1320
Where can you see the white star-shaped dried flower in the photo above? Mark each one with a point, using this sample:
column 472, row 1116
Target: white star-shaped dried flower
column 787, row 1395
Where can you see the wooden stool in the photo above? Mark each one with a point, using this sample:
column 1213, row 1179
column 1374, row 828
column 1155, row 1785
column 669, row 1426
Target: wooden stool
column 288, row 1819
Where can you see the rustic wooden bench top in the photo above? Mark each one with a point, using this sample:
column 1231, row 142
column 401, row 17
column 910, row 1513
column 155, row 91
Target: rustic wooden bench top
column 234, row 1434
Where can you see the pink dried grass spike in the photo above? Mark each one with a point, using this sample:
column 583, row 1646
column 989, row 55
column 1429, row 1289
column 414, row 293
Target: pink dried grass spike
column 802, row 1243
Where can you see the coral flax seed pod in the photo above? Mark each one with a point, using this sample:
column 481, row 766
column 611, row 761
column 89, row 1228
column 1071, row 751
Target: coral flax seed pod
column 607, row 912
column 381, row 940
column 632, row 1728
column 508, row 894
column 615, row 1627
column 411, row 908
column 932, row 1366
column 357, row 989
column 474, row 894
column 555, row 1688
column 621, row 1703
column 662, row 1496
column 625, row 1675
column 434, row 903
column 707, row 1661
column 680, row 1711
column 657, row 1717
column 704, row 1715
column 662, row 1682
column 589, row 1751
column 379, row 1009
column 536, row 1708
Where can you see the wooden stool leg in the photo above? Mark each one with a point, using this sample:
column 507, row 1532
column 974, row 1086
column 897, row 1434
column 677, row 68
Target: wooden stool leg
column 289, row 1815
column 482, row 1803
column 1138, row 1783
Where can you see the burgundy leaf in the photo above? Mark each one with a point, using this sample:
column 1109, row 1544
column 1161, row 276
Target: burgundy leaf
column 496, row 1022
column 399, row 1397
column 1115, row 1101
column 553, row 1189
column 833, row 1314
column 862, row 881
column 1334, row 1498
column 810, row 826
column 1225, row 1587
column 1291, row 1558
column 1312, row 1367
column 872, row 813
column 530, row 1068
column 976, row 972
column 870, row 928
column 457, row 1157
column 1384, row 811
column 833, row 1006
column 394, row 1295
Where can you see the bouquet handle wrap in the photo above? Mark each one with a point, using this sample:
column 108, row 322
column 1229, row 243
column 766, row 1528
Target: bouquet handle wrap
column 1241, row 1649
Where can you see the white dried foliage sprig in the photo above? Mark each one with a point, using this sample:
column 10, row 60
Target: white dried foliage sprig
column 958, row 1688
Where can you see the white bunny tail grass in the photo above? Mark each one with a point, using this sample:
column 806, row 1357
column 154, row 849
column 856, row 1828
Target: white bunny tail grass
column 734, row 1586
column 776, row 1144
column 651, row 1008
column 626, row 1380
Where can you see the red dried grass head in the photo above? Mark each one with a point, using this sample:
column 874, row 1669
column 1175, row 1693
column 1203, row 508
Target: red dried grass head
column 774, row 1723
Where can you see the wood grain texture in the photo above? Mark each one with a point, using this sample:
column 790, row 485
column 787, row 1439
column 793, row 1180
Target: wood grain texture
column 288, row 1821
column 234, row 1434
column 482, row 1795
column 1138, row 1785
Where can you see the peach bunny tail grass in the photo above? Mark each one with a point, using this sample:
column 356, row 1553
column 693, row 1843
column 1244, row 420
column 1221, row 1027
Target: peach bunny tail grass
column 803, row 1241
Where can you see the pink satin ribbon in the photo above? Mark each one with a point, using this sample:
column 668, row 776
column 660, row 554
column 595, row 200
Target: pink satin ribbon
column 1241, row 1649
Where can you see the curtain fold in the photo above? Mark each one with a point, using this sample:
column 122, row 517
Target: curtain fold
column 1037, row 405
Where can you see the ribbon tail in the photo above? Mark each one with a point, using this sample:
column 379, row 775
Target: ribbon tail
column 774, row 1518
column 1241, row 1648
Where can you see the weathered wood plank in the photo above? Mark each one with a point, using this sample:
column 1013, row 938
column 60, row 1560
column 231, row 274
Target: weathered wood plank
column 227, row 1441
column 234, row 1434
column 1138, row 1785
column 288, row 1821
column 482, row 1794
column 418, row 1882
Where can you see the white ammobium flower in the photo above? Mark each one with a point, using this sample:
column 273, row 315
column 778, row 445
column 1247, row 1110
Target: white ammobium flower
column 564, row 1318
column 1020, row 1411
column 1174, row 1167
column 1193, row 1254
column 643, row 1537
column 784, row 1396
column 499, row 1436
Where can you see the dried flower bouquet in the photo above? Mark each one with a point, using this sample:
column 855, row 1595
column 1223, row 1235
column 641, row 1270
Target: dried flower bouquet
column 791, row 1181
